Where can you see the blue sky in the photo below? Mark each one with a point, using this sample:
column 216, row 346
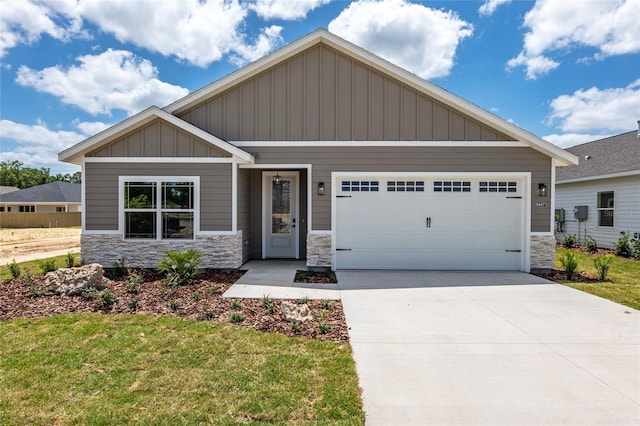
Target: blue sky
column 567, row 71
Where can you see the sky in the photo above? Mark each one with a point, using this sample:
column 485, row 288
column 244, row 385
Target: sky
column 567, row 71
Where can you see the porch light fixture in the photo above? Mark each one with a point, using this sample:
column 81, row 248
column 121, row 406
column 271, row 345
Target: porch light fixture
column 320, row 188
column 543, row 189
column 277, row 179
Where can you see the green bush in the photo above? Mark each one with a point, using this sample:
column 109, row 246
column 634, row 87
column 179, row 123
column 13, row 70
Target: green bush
column 237, row 317
column 14, row 268
column 180, row 267
column 623, row 247
column 120, row 268
column 48, row 265
column 134, row 281
column 106, row 298
column 569, row 241
column 323, row 327
column 636, row 248
column 591, row 244
column 70, row 260
column 569, row 262
column 602, row 264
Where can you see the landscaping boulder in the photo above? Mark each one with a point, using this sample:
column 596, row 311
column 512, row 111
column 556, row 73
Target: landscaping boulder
column 296, row 313
column 72, row 281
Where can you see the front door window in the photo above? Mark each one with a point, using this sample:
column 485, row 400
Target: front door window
column 281, row 207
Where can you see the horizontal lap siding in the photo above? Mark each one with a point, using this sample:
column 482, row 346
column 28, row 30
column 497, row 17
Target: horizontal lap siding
column 412, row 159
column 323, row 95
column 101, row 196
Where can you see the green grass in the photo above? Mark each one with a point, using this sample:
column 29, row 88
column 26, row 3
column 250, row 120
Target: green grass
column 622, row 284
column 137, row 369
column 35, row 266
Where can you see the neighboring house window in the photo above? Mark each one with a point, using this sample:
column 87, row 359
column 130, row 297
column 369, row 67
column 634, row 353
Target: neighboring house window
column 605, row 208
column 2, row 209
column 27, row 209
column 61, row 209
column 159, row 209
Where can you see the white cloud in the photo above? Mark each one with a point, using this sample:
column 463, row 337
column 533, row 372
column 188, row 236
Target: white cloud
column 608, row 110
column 37, row 145
column 114, row 79
column 285, row 9
column 418, row 38
column 263, row 45
column 611, row 27
column 24, row 22
column 567, row 140
column 90, row 128
column 490, row 6
column 196, row 31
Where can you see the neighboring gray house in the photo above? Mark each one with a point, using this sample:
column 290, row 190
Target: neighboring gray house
column 48, row 198
column 325, row 152
column 8, row 189
column 607, row 182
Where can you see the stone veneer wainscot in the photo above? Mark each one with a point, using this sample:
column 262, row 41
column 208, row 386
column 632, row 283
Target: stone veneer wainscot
column 543, row 252
column 319, row 250
column 218, row 251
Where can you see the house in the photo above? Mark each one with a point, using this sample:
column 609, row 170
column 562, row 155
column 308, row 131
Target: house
column 8, row 189
column 325, row 152
column 53, row 197
column 606, row 186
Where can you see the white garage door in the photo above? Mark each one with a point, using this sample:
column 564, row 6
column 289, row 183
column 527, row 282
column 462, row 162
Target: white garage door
column 429, row 223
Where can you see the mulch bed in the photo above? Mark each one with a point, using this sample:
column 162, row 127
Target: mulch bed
column 559, row 274
column 315, row 277
column 202, row 300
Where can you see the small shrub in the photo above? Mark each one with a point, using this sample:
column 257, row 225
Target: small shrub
column 326, row 304
column 569, row 241
column 636, row 248
column 235, row 305
column 295, row 327
column 569, row 262
column 15, row 270
column 623, row 247
column 70, row 260
column 303, row 301
column 134, row 281
column 133, row 304
column 106, row 299
column 323, row 327
column 322, row 314
column 34, row 290
column 269, row 306
column 602, row 264
column 214, row 290
column 195, row 297
column 48, row 265
column 208, row 315
column 591, row 244
column 236, row 317
column 119, row 267
column 174, row 305
column 180, row 267
column 90, row 293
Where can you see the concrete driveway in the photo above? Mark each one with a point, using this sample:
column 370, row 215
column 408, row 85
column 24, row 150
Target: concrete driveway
column 490, row 348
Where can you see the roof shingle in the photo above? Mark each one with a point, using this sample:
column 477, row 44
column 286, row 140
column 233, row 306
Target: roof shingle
column 53, row 192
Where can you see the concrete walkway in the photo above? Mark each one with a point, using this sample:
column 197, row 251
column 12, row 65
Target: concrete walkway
column 274, row 278
column 484, row 348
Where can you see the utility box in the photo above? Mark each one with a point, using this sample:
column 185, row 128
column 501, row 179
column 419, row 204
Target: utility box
column 580, row 212
column 560, row 215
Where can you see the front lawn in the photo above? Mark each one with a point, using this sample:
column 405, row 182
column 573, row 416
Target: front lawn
column 622, row 284
column 140, row 369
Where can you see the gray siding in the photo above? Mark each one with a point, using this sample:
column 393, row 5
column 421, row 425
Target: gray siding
column 412, row 159
column 102, row 191
column 321, row 94
column 159, row 139
column 244, row 210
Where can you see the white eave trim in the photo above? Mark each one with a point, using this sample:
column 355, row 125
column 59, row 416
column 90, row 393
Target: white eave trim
column 562, row 157
column 598, row 177
column 485, row 144
column 74, row 153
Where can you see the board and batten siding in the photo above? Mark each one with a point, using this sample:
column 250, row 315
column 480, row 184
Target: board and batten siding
column 325, row 160
column 626, row 208
column 159, row 139
column 244, row 210
column 323, row 95
column 101, row 191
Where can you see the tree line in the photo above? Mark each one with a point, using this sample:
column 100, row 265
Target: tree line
column 15, row 174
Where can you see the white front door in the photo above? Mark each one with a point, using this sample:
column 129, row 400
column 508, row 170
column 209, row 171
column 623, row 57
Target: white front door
column 280, row 214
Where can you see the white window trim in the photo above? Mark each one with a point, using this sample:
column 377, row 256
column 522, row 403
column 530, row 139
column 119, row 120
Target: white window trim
column 158, row 180
column 599, row 209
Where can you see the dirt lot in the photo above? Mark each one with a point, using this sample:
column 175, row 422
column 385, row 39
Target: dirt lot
column 37, row 243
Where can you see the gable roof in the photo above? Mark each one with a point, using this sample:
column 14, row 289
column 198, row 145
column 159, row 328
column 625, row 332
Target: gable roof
column 8, row 189
column 609, row 157
column 76, row 152
column 52, row 192
column 322, row 36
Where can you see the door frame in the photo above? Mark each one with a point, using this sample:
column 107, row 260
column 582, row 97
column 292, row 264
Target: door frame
column 267, row 177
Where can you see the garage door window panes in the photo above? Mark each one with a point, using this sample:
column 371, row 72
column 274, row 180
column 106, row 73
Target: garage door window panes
column 360, row 185
column 451, row 186
column 498, row 186
column 605, row 208
column 405, row 186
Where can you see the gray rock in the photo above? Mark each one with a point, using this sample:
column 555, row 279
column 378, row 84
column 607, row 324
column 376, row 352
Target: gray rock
column 72, row 281
column 296, row 313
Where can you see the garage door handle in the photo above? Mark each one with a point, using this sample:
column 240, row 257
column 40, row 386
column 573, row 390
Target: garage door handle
column 343, row 249
column 343, row 196
column 518, row 198
column 513, row 251
column 428, row 222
